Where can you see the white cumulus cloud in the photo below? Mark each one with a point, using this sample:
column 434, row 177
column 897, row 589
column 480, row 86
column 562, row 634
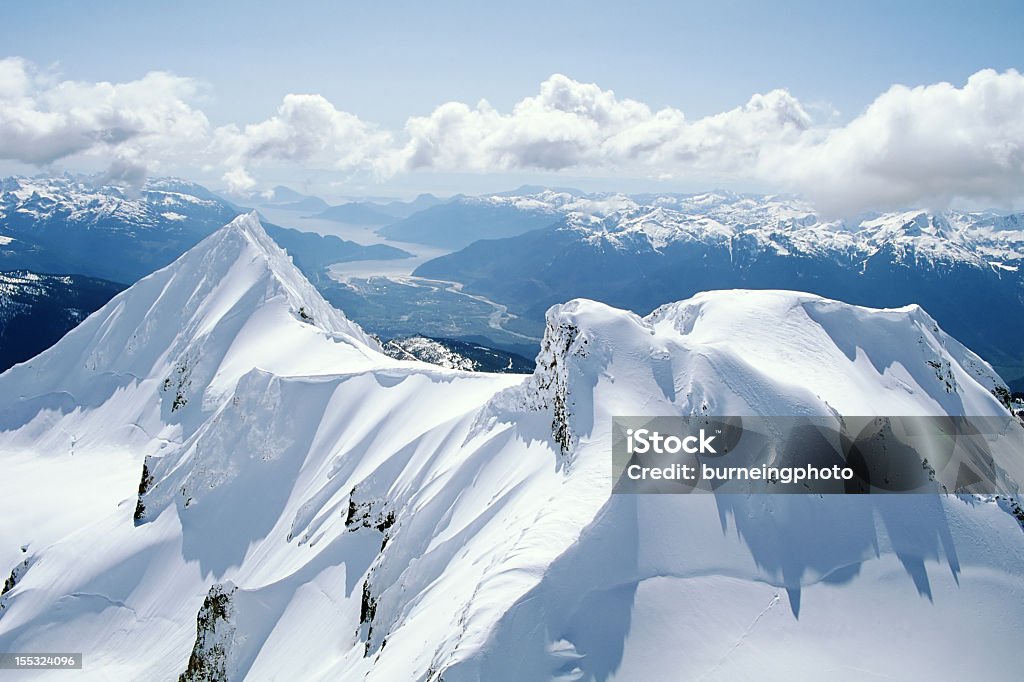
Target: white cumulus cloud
column 922, row 145
column 912, row 146
column 307, row 130
column 43, row 120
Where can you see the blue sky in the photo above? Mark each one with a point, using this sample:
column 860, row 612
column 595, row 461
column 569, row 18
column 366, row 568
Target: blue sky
column 385, row 62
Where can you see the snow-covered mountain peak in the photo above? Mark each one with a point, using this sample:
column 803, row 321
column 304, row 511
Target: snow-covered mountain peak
column 245, row 239
column 179, row 340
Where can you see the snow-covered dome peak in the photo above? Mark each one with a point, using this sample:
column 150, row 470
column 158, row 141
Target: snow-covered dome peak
column 757, row 352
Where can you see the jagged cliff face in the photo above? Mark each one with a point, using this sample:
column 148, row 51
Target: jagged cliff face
column 313, row 509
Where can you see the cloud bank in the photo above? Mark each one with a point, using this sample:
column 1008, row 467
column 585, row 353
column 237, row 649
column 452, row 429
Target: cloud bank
column 926, row 145
column 43, row 120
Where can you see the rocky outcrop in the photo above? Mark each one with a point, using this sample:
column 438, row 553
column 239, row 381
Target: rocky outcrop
column 16, row 573
column 144, row 485
column 215, row 631
column 562, row 341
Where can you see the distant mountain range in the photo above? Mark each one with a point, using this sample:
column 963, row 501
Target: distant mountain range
column 464, row 220
column 69, row 225
column 309, row 204
column 374, row 213
column 357, row 213
column 282, row 198
column 362, row 212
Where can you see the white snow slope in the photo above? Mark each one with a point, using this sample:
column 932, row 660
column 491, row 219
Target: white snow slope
column 344, row 515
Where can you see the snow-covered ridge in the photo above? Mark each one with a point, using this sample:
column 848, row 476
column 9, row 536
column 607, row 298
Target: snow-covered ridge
column 217, row 471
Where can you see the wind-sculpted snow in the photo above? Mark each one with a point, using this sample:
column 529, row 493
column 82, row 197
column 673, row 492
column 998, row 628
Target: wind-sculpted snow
column 313, row 509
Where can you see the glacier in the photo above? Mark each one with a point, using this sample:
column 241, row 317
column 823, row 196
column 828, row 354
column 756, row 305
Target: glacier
column 219, row 476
